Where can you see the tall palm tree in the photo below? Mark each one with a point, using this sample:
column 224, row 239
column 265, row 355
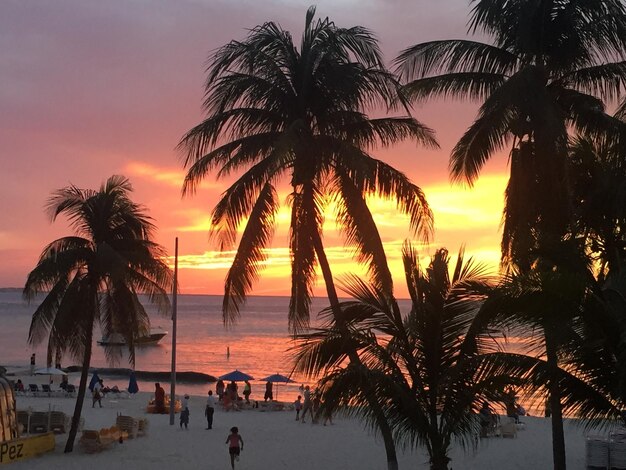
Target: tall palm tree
column 599, row 192
column 96, row 276
column 431, row 367
column 549, row 69
column 276, row 111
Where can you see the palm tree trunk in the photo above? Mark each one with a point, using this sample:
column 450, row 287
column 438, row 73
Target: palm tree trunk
column 558, row 437
column 381, row 420
column 82, row 388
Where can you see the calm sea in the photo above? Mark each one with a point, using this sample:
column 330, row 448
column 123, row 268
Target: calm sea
column 258, row 343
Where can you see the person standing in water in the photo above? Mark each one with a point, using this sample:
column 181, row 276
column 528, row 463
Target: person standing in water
column 234, row 448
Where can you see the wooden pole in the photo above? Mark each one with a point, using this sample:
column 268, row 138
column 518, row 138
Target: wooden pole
column 174, row 308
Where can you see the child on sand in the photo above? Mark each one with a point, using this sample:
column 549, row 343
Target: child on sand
column 233, row 440
column 298, row 406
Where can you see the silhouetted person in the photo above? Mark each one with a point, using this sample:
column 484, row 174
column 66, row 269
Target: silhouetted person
column 159, row 398
column 269, row 393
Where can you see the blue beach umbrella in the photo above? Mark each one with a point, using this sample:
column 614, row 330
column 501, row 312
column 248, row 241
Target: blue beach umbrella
column 277, row 378
column 94, row 379
column 132, row 383
column 236, row 376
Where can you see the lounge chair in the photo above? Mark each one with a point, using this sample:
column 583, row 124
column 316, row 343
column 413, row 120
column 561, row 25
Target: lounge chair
column 70, row 390
column 34, row 390
column 508, row 429
column 128, row 424
column 38, row 422
column 59, row 422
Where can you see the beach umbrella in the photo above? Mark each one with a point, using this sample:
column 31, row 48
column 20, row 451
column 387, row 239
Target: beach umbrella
column 132, row 383
column 277, row 378
column 94, row 380
column 49, row 371
column 236, row 376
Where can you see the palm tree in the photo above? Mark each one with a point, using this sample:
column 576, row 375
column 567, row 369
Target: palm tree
column 549, row 69
column 275, row 111
column 599, row 192
column 431, row 367
column 95, row 276
column 566, row 318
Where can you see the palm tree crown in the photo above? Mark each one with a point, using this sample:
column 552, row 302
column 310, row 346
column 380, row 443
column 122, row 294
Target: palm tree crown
column 276, row 110
column 96, row 275
column 551, row 65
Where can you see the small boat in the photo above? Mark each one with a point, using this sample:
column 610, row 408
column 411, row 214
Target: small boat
column 153, row 337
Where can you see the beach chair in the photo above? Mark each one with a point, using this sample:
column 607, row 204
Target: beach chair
column 33, row 389
column 128, row 424
column 70, row 391
column 38, row 422
column 508, row 429
column 95, row 441
column 59, row 422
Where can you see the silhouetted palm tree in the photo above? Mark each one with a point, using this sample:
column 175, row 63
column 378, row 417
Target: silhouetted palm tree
column 599, row 192
column 548, row 70
column 281, row 112
column 277, row 111
column 431, row 367
column 95, row 276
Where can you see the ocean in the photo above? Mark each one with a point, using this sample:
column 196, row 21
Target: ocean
column 258, row 343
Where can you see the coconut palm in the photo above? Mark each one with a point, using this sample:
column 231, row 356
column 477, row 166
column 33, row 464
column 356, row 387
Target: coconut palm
column 564, row 316
column 95, row 276
column 549, row 69
column 599, row 192
column 277, row 111
column 431, row 367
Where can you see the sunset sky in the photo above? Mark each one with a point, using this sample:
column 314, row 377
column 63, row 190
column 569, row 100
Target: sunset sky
column 89, row 89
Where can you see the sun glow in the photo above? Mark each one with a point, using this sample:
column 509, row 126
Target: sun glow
column 467, row 217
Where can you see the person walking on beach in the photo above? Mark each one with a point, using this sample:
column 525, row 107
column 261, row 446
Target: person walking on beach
column 298, row 406
column 234, row 448
column 247, row 390
column 32, row 364
column 307, row 406
column 97, row 394
column 184, row 412
column 209, row 410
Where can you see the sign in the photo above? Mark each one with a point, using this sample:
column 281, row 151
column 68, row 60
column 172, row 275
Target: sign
column 25, row 447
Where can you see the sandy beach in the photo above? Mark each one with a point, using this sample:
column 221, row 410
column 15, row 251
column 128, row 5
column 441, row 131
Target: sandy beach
column 274, row 440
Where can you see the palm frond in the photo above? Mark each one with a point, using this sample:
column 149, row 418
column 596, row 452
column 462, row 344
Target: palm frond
column 250, row 253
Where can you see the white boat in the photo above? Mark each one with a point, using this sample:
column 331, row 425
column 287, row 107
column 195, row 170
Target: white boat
column 153, row 337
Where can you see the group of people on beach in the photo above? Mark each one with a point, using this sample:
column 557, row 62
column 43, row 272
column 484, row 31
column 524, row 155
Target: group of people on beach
column 311, row 405
column 228, row 395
